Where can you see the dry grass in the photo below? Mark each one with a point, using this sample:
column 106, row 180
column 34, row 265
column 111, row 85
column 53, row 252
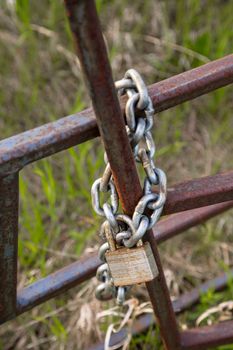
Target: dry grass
column 41, row 81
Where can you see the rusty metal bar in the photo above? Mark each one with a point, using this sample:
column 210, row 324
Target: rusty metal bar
column 32, row 145
column 187, row 195
column 191, row 298
column 96, row 68
column 178, row 223
column 183, row 303
column 80, row 271
column 56, row 283
column 16, row 152
column 207, row 337
column 93, row 56
column 20, row 150
column 27, row 147
column 161, row 302
column 184, row 196
column 191, row 84
column 8, row 245
column 199, row 193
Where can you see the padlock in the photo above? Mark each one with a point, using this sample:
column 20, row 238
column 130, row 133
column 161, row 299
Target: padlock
column 129, row 266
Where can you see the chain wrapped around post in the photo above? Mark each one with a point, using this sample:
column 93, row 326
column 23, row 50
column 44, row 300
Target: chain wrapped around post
column 120, row 230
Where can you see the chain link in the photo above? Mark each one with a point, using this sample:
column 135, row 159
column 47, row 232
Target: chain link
column 119, row 229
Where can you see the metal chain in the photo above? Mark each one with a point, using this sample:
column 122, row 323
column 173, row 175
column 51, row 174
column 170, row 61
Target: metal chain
column 119, row 229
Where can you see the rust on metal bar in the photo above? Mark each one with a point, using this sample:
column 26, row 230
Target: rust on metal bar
column 32, row 145
column 199, row 193
column 178, row 223
column 161, row 302
column 27, row 147
column 192, row 297
column 208, row 336
column 56, row 283
column 191, row 84
column 85, row 268
column 8, row 245
column 93, row 56
column 183, row 303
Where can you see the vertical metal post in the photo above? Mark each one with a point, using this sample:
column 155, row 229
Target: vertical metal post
column 8, row 245
column 92, row 54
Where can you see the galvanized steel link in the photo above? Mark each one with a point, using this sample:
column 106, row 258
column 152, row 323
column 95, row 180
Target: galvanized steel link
column 119, row 229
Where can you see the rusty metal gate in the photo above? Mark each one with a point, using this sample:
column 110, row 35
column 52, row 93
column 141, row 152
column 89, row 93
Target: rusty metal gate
column 193, row 201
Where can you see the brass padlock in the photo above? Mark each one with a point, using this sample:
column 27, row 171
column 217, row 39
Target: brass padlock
column 130, row 266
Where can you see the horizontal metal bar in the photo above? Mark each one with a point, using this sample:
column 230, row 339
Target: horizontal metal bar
column 199, row 193
column 191, row 84
column 178, row 223
column 85, row 268
column 56, row 283
column 207, row 337
column 192, row 297
column 22, row 149
column 29, row 146
column 184, row 302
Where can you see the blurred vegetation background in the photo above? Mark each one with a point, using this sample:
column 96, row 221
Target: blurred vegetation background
column 41, row 82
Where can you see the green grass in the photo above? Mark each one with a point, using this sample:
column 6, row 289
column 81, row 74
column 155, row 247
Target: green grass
column 41, row 82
